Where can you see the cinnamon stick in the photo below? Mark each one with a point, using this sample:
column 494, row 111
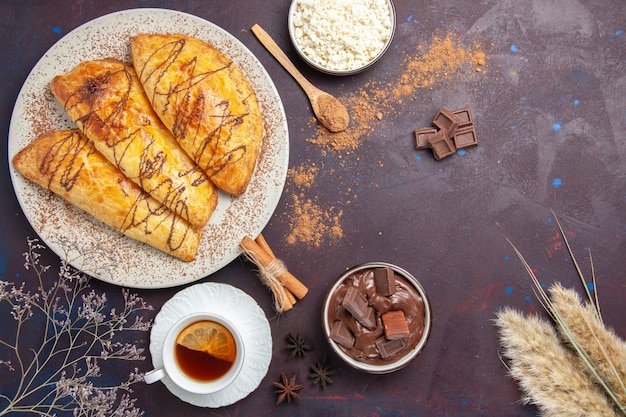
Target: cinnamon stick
column 260, row 240
column 290, row 282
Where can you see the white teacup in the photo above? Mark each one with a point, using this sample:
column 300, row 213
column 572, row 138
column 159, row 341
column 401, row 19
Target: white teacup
column 173, row 370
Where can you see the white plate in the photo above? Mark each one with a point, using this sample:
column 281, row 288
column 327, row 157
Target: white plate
column 243, row 312
column 69, row 232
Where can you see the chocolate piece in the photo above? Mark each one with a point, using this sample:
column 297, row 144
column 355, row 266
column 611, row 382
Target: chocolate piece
column 421, row 137
column 385, row 281
column 447, row 121
column 395, row 324
column 357, row 305
column 369, row 318
column 466, row 137
column 340, row 333
column 441, row 145
column 354, row 302
column 388, row 348
column 465, row 117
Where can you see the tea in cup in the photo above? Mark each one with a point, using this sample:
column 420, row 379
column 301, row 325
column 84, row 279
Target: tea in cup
column 202, row 353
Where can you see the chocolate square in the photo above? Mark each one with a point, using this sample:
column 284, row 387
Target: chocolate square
column 354, row 302
column 465, row 117
column 369, row 318
column 395, row 324
column 388, row 348
column 385, row 281
column 466, row 137
column 340, row 333
column 421, row 137
column 447, row 121
column 441, row 145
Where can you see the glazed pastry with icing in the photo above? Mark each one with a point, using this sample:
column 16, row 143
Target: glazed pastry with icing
column 68, row 164
column 206, row 102
column 108, row 104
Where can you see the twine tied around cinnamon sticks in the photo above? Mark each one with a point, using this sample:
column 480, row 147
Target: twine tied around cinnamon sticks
column 285, row 288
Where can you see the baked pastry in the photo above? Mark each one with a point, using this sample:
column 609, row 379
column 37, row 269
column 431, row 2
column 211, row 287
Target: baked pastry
column 106, row 101
column 206, row 102
column 67, row 163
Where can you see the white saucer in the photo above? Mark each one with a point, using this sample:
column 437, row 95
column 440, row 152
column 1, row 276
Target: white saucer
column 236, row 306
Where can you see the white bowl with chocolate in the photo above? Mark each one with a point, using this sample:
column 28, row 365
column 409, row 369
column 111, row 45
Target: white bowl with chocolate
column 377, row 317
column 341, row 37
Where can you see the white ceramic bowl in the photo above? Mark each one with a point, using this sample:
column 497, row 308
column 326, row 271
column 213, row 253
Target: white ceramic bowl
column 400, row 362
column 355, row 36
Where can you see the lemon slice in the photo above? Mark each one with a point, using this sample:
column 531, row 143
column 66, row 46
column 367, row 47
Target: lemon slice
column 209, row 337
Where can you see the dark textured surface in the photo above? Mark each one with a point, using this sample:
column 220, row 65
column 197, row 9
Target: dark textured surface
column 550, row 114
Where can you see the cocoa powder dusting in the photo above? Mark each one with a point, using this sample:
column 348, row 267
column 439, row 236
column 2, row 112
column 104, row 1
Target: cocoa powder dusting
column 310, row 223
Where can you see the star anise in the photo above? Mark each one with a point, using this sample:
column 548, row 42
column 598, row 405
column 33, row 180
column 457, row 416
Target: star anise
column 298, row 345
column 320, row 374
column 287, row 389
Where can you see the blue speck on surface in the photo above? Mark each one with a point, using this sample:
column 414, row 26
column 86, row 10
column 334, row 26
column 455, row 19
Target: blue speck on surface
column 461, row 152
column 509, row 291
column 527, row 298
column 408, row 19
column 590, row 286
column 556, row 183
column 512, row 127
column 417, row 158
column 56, row 29
column 357, row 179
column 514, row 48
column 549, row 220
column 506, row 257
column 576, row 102
column 556, row 126
column 618, row 32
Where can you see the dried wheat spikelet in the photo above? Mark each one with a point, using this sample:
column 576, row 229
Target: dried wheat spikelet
column 601, row 363
column 548, row 373
column 603, row 346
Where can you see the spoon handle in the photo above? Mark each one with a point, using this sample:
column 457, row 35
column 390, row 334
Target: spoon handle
column 280, row 56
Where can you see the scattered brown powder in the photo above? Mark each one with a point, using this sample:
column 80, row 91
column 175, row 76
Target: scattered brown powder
column 444, row 58
column 304, row 176
column 313, row 224
column 309, row 222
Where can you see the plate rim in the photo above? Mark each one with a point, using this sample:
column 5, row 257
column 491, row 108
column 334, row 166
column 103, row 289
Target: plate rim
column 273, row 103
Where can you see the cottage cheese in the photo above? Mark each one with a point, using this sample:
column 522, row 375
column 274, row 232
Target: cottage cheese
column 342, row 34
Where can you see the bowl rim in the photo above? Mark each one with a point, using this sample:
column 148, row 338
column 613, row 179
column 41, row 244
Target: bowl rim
column 406, row 359
column 325, row 70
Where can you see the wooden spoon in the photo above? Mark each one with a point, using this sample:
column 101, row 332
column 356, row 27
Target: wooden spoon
column 328, row 110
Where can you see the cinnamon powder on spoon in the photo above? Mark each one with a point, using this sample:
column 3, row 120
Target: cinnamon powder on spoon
column 332, row 114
